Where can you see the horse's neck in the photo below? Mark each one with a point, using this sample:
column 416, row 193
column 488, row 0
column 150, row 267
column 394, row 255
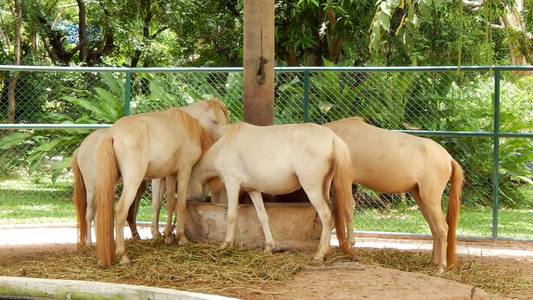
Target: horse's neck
column 204, row 169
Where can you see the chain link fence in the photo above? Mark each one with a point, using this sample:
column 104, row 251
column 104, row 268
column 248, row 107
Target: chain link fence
column 458, row 109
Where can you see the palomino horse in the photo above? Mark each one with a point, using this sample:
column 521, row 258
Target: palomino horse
column 150, row 145
column 278, row 160
column 84, row 171
column 392, row 162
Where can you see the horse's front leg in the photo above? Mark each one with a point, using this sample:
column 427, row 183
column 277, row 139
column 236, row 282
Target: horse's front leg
column 181, row 205
column 158, row 187
column 232, row 189
column 170, row 184
column 262, row 215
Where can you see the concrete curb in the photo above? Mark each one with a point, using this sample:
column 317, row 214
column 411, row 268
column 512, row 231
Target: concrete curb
column 77, row 289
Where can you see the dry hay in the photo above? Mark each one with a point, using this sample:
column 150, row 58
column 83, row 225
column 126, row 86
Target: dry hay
column 208, row 269
column 194, row 267
column 474, row 271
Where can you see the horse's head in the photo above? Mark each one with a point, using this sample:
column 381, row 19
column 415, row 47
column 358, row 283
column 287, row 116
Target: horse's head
column 212, row 114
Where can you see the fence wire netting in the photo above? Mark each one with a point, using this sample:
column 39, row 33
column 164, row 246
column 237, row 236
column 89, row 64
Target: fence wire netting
column 36, row 185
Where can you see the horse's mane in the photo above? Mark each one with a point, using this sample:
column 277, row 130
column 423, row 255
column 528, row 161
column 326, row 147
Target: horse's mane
column 357, row 118
column 195, row 130
column 215, row 103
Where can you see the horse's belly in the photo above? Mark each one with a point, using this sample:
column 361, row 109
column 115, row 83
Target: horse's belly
column 277, row 184
column 158, row 168
column 385, row 180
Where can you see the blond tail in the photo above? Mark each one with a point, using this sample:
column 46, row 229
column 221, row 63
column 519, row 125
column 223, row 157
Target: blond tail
column 342, row 185
column 454, row 205
column 79, row 197
column 106, row 181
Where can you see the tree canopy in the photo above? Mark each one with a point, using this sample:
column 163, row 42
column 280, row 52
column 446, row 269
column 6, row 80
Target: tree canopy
column 308, row 32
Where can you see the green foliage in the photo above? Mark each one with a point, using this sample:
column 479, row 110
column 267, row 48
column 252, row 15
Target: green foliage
column 51, row 149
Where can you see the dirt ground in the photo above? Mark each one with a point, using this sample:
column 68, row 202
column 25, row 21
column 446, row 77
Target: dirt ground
column 343, row 280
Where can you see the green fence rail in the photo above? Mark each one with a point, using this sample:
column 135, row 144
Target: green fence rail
column 425, row 101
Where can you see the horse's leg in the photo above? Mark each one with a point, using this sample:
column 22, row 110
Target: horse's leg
column 316, row 197
column 158, row 185
column 129, row 191
column 348, row 219
column 263, row 219
column 425, row 213
column 89, row 213
column 181, row 205
column 232, row 189
column 170, row 185
column 431, row 197
column 132, row 212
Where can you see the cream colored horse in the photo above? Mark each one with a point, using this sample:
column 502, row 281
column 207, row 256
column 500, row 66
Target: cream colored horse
column 144, row 146
column 279, row 160
column 392, row 162
column 84, row 171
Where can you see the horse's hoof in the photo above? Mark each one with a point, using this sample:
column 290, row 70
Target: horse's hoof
column 156, row 235
column 317, row 258
column 136, row 237
column 268, row 249
column 226, row 245
column 440, row 270
column 124, row 260
column 169, row 239
column 183, row 241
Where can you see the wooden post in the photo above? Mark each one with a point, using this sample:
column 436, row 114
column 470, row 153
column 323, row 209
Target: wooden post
column 259, row 62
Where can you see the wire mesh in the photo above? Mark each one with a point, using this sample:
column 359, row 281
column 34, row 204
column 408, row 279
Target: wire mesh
column 36, row 187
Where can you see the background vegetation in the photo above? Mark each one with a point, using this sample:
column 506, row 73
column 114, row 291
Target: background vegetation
column 144, row 33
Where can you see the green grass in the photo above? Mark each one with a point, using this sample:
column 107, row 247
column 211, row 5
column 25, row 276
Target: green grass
column 23, row 202
column 474, row 221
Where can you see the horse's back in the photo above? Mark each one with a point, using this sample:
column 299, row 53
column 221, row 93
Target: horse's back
column 156, row 140
column 388, row 161
column 274, row 155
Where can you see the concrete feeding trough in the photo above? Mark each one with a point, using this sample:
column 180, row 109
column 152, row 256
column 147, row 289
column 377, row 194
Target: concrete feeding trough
column 294, row 226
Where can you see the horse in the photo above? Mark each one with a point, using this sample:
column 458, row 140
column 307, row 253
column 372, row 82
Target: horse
column 278, row 160
column 393, row 162
column 150, row 145
column 84, row 173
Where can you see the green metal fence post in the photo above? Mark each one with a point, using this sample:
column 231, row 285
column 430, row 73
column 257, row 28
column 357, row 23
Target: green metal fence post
column 127, row 94
column 306, row 96
column 496, row 154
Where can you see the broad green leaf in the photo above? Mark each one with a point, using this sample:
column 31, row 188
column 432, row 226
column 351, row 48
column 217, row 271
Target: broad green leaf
column 13, row 139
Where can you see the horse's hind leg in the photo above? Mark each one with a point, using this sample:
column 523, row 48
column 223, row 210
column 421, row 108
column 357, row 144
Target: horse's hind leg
column 263, row 219
column 170, row 185
column 90, row 212
column 316, row 197
column 132, row 212
column 425, row 213
column 431, row 208
column 130, row 187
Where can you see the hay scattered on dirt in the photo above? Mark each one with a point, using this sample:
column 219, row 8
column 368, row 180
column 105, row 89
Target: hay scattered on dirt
column 206, row 268
column 195, row 267
column 472, row 270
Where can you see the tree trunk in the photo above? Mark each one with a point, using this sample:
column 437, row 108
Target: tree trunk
column 82, row 31
column 146, row 8
column 513, row 22
column 11, row 101
column 259, row 61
